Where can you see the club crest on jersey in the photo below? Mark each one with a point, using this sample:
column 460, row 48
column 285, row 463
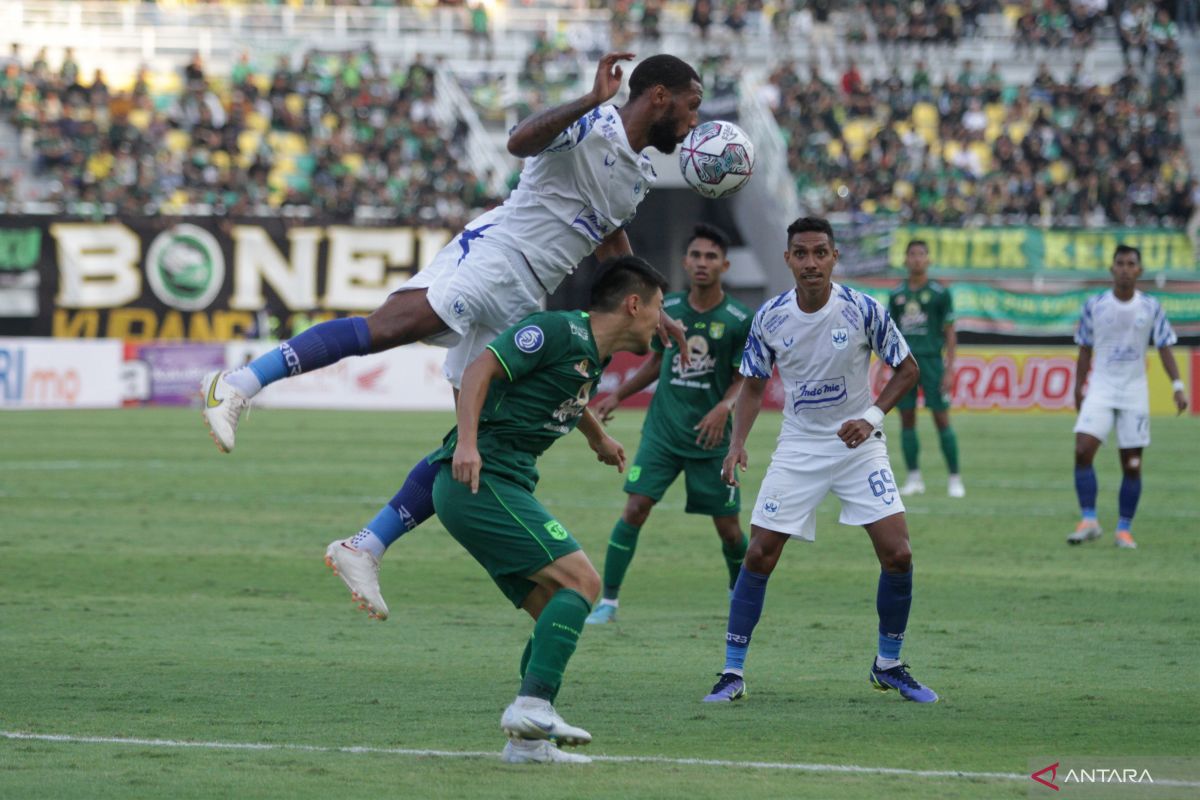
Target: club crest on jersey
column 841, row 338
column 529, row 339
column 716, row 330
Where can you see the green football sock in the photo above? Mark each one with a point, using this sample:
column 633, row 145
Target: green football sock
column 525, row 656
column 554, row 638
column 949, row 448
column 910, row 446
column 734, row 554
column 621, row 547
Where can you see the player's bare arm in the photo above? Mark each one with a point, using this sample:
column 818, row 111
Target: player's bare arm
column 749, row 403
column 951, row 353
column 476, row 380
column 646, row 374
column 534, row 134
column 856, row 431
column 712, row 427
column 607, row 449
column 1082, row 367
column 1172, row 369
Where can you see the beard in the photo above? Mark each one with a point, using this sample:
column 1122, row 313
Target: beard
column 662, row 135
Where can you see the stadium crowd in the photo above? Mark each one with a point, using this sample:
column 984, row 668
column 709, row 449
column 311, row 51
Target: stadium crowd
column 334, row 132
column 971, row 148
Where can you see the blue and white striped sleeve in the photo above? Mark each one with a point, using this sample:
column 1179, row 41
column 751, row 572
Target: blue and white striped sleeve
column 885, row 338
column 1164, row 334
column 1084, row 335
column 758, row 359
column 574, row 134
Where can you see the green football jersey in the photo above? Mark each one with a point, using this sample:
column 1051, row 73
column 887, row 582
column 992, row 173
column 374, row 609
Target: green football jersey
column 922, row 315
column 684, row 395
column 553, row 371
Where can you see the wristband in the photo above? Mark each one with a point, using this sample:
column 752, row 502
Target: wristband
column 874, row 416
column 1178, row 386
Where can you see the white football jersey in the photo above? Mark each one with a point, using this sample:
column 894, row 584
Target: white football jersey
column 584, row 186
column 1119, row 334
column 823, row 359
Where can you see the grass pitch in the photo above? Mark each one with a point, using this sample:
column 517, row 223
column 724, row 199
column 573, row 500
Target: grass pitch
column 155, row 589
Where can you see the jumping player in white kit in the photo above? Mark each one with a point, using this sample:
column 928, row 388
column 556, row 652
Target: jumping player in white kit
column 821, row 335
column 1114, row 331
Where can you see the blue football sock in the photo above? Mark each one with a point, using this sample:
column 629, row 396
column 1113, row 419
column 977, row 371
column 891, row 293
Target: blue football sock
column 1127, row 502
column 893, row 600
column 411, row 506
column 745, row 607
column 1085, row 489
column 321, row 345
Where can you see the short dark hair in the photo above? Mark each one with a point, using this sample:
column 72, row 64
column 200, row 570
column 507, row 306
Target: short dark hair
column 661, row 70
column 917, row 243
column 711, row 232
column 810, row 225
column 1126, row 248
column 619, row 277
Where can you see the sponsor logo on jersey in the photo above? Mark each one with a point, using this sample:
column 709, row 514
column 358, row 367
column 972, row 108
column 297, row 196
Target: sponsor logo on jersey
column 716, row 330
column 609, row 159
column 840, row 337
column 529, row 339
column 774, row 323
column 582, row 368
column 572, row 407
column 702, row 363
column 821, row 393
column 579, row 330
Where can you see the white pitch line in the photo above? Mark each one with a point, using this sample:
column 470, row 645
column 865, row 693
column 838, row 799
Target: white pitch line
column 850, row 769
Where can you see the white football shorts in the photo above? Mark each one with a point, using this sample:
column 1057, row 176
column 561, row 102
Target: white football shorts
column 1097, row 416
column 797, row 481
column 479, row 290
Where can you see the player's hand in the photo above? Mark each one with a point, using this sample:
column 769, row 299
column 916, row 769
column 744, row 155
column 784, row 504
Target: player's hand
column 466, row 466
column 1181, row 403
column 712, row 427
column 608, row 77
column 735, row 459
column 855, row 431
column 605, row 406
column 948, row 384
column 672, row 330
column 609, row 451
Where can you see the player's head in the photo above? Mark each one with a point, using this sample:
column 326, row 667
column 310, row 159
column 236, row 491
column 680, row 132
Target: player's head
column 668, row 91
column 811, row 254
column 1126, row 266
column 631, row 291
column 916, row 258
column 706, row 258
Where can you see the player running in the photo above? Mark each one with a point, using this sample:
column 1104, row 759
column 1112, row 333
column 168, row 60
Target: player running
column 1114, row 330
column 530, row 387
column 584, row 176
column 923, row 309
column 687, row 427
column 821, row 335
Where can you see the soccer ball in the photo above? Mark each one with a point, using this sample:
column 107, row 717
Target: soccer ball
column 716, row 158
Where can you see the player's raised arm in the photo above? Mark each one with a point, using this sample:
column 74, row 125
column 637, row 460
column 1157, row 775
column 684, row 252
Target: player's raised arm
column 535, row 133
column 749, row 403
column 475, row 382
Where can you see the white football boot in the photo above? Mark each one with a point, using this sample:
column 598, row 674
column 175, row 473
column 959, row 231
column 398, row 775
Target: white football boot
column 1085, row 531
column 915, row 484
column 359, row 570
column 955, row 488
column 222, row 407
column 539, row 751
column 534, row 718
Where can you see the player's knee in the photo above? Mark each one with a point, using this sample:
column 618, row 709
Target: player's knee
column 587, row 582
column 637, row 510
column 404, row 318
column 1083, row 455
column 898, row 559
column 761, row 556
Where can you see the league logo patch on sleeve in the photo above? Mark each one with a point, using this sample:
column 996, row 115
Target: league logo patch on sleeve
column 529, row 339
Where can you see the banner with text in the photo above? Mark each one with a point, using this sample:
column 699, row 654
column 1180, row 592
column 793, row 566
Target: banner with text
column 1021, row 251
column 204, row 279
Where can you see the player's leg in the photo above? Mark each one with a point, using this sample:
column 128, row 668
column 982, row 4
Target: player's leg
column 1091, row 429
column 939, row 404
column 909, row 444
column 654, row 470
column 707, row 494
column 1133, row 434
column 622, row 544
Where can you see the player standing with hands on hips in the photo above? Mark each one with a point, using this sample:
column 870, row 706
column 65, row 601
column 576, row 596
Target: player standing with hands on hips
column 821, row 335
column 1114, row 330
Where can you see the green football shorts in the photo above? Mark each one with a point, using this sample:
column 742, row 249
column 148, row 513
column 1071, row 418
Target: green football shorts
column 656, row 467
column 932, row 370
column 503, row 527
